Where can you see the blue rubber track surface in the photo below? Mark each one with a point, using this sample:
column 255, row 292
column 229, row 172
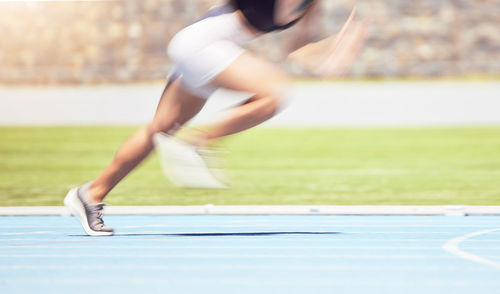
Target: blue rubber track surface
column 250, row 254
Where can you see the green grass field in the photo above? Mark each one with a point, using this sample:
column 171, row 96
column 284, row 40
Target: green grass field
column 413, row 166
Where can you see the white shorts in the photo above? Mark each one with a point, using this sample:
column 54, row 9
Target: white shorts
column 204, row 49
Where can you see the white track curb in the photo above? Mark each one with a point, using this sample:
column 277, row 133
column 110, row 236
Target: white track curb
column 263, row 210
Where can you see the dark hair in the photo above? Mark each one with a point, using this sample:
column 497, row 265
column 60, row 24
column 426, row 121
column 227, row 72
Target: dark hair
column 233, row 4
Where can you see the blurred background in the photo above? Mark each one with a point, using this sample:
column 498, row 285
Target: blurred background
column 416, row 120
column 62, row 42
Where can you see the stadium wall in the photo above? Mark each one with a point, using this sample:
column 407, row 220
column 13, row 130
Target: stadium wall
column 75, row 42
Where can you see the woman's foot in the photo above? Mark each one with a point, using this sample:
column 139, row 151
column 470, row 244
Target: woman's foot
column 187, row 165
column 89, row 214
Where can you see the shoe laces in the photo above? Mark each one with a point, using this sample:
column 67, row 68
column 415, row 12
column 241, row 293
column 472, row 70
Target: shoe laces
column 97, row 211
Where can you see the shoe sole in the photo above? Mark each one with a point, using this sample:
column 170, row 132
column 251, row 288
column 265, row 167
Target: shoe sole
column 74, row 205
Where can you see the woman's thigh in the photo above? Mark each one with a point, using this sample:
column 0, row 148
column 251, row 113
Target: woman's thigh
column 249, row 73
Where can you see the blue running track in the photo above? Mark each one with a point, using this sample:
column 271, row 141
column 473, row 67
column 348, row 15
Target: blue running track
column 252, row 254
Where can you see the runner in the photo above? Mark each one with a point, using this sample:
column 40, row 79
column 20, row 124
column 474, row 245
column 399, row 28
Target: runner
column 209, row 55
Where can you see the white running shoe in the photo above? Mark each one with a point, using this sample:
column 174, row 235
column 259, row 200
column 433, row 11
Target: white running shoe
column 90, row 216
column 186, row 165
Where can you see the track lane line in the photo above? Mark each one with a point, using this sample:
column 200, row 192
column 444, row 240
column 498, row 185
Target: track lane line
column 452, row 246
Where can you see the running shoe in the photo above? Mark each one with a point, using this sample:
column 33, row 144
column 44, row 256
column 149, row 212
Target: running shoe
column 186, row 165
column 89, row 215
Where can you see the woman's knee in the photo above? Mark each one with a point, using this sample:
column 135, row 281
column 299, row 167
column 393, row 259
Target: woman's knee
column 154, row 128
column 273, row 103
column 280, row 94
column 269, row 104
column 162, row 127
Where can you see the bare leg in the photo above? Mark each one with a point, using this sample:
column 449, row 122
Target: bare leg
column 247, row 74
column 176, row 107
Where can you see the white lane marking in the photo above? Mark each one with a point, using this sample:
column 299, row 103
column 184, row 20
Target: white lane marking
column 222, row 266
column 251, row 282
column 224, row 255
column 30, row 233
column 452, row 246
column 223, row 279
column 163, row 247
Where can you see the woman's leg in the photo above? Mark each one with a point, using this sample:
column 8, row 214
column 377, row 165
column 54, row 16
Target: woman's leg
column 248, row 73
column 175, row 108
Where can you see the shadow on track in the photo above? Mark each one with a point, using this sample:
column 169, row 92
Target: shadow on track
column 215, row 234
